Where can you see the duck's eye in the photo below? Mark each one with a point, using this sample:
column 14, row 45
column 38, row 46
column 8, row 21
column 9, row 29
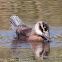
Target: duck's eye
column 45, row 29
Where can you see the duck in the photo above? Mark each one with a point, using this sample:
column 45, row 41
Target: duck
column 38, row 35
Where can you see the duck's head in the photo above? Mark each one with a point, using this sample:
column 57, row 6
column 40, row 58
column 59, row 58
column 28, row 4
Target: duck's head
column 42, row 29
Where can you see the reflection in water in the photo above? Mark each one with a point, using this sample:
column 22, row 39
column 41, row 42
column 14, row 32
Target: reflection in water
column 21, row 50
column 17, row 46
column 39, row 48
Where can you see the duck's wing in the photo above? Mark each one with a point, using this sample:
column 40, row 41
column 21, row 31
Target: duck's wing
column 24, row 34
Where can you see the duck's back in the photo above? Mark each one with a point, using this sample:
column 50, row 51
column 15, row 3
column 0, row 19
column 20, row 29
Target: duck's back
column 22, row 31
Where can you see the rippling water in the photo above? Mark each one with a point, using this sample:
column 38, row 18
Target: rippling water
column 30, row 11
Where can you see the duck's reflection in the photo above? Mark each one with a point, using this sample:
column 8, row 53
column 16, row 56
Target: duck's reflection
column 17, row 45
column 40, row 49
column 20, row 44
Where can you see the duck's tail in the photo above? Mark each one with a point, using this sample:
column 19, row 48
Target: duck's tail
column 15, row 21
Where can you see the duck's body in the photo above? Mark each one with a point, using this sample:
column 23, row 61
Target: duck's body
column 27, row 34
column 37, row 35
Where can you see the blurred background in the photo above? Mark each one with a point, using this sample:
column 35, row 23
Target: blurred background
column 30, row 11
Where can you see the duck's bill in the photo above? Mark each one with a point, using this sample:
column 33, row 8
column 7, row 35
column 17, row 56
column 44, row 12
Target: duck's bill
column 46, row 38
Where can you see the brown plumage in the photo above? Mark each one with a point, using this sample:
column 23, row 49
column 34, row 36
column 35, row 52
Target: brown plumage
column 36, row 35
column 26, row 34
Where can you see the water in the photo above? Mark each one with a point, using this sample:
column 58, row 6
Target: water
column 30, row 11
